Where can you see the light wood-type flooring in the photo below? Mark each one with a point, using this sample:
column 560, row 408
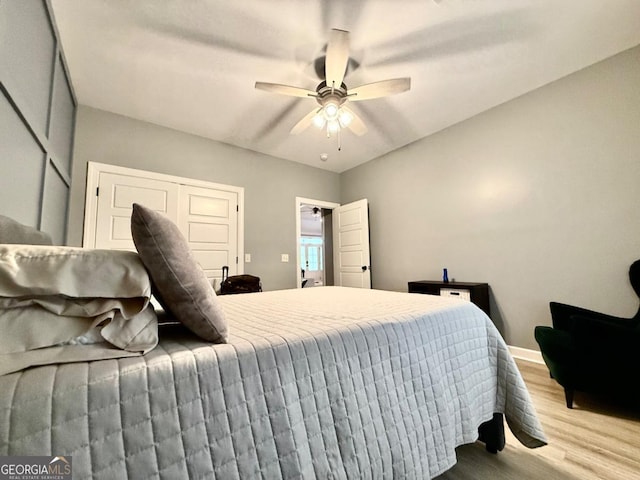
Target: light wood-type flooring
column 597, row 439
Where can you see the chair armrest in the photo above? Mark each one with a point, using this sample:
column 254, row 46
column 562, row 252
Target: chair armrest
column 555, row 344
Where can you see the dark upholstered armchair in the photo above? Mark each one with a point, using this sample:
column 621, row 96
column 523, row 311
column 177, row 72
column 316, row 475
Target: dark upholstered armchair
column 591, row 351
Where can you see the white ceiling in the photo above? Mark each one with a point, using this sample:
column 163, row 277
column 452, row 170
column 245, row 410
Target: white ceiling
column 191, row 64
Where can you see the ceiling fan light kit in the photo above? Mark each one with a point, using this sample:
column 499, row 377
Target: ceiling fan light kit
column 332, row 94
column 330, row 113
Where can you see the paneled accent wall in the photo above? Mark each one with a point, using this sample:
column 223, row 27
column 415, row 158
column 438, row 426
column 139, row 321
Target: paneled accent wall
column 37, row 118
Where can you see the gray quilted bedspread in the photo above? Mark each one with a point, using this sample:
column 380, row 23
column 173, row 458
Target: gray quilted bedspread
column 314, row 383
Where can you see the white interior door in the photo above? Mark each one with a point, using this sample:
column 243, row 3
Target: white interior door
column 208, row 218
column 116, row 195
column 351, row 245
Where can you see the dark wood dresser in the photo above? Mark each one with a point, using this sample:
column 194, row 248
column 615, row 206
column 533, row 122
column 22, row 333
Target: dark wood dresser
column 477, row 293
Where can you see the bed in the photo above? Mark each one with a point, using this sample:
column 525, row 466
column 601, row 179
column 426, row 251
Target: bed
column 324, row 383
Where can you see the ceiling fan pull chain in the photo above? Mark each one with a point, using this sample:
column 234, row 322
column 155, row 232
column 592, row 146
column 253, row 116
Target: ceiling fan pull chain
column 339, row 141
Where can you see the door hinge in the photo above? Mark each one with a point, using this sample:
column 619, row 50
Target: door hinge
column 237, row 208
column 97, row 191
column 236, row 260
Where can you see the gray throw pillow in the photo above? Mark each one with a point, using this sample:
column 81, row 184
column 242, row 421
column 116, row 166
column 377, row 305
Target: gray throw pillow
column 181, row 285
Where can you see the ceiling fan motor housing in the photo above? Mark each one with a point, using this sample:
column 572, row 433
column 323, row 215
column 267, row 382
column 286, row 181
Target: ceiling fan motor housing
column 327, row 94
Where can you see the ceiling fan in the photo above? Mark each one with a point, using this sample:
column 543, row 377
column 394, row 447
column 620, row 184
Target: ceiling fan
column 311, row 209
column 332, row 94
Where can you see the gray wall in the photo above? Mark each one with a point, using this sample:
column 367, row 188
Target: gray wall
column 539, row 197
column 37, row 114
column 271, row 184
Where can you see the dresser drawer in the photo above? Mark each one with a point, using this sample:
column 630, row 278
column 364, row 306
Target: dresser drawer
column 461, row 293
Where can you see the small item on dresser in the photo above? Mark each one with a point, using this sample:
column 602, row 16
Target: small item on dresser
column 445, row 275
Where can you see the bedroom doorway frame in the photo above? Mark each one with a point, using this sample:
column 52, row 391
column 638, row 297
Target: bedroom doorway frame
column 307, row 201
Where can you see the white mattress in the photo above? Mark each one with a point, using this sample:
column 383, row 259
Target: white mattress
column 314, row 383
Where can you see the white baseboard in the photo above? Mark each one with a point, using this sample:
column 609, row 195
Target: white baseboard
column 526, row 354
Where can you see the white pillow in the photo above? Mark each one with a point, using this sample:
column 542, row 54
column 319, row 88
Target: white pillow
column 52, row 296
column 41, row 270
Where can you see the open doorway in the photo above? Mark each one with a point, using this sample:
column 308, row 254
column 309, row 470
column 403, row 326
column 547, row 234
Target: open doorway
column 314, row 236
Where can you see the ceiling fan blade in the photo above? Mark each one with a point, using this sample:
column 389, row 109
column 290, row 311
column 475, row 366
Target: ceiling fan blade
column 337, row 57
column 305, row 122
column 356, row 125
column 379, row 89
column 285, row 89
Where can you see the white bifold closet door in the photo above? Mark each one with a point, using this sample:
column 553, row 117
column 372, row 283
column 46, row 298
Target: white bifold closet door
column 207, row 217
